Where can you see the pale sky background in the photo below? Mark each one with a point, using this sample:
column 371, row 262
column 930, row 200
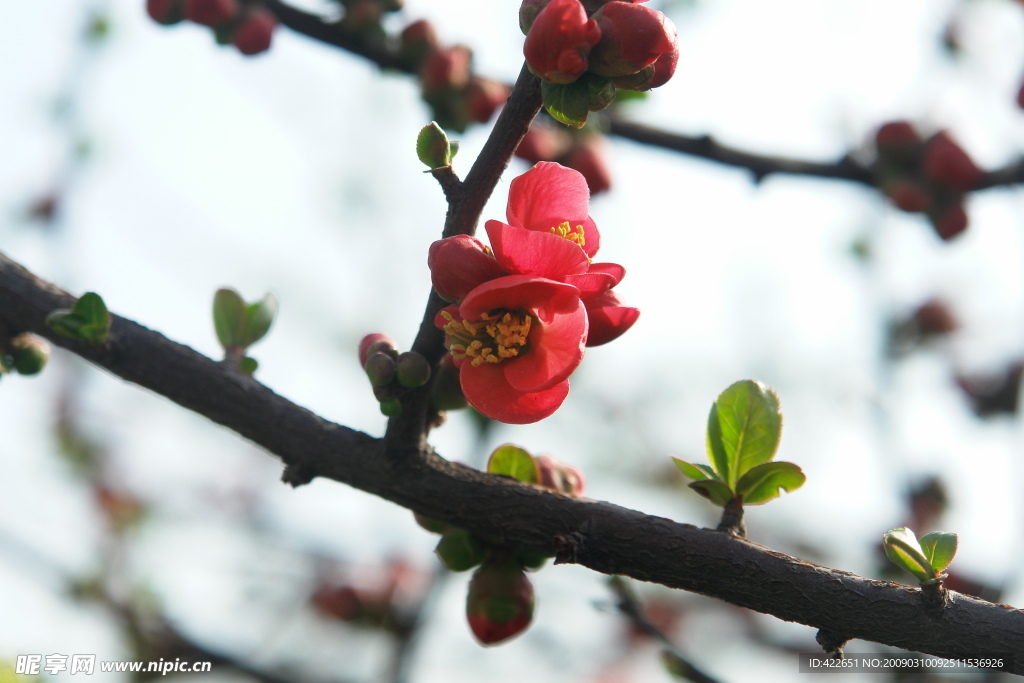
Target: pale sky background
column 295, row 173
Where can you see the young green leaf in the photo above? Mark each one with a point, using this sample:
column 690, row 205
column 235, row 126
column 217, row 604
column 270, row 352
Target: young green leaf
column 568, row 103
column 939, row 548
column 514, row 462
column 258, row 319
column 458, row 550
column 92, row 310
column 229, row 315
column 744, row 428
column 434, row 148
column 903, row 550
column 761, row 483
column 714, row 490
column 695, row 471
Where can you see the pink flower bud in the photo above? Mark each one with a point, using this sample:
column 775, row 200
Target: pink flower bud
column 458, row 265
column 632, row 37
column 558, row 477
column 559, row 41
column 212, row 13
column 255, row 33
column 500, row 602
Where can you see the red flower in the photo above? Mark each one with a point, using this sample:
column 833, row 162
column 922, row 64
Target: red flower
column 516, row 339
column 549, row 199
column 559, row 40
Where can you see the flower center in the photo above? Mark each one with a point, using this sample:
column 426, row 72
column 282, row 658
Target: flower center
column 496, row 336
column 574, row 236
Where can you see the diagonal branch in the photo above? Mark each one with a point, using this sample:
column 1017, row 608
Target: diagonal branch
column 602, row 536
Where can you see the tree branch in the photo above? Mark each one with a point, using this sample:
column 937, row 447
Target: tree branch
column 602, row 536
column 387, row 56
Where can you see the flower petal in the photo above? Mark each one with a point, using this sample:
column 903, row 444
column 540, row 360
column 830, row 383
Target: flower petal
column 526, row 252
column 487, row 390
column 609, row 319
column 458, row 265
column 548, row 195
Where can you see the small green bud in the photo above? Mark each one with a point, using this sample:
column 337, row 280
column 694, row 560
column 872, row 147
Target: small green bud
column 380, row 368
column 434, row 526
column 434, row 148
column 29, row 354
column 459, row 551
column 413, row 369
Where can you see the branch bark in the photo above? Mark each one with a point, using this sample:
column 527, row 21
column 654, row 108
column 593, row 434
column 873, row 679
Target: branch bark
column 599, row 535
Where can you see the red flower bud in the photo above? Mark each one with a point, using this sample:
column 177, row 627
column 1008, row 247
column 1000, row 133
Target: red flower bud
column 211, row 12
column 500, row 602
column 946, row 163
column 446, row 69
column 543, row 143
column 950, row 222
column 459, row 264
column 559, row 41
column 908, row 195
column 418, row 40
column 632, row 37
column 588, row 157
column 165, row 12
column 255, row 33
column 483, row 97
column 897, row 139
column 562, row 478
column 373, row 343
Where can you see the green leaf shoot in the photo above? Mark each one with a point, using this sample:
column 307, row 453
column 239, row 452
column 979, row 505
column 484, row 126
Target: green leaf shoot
column 903, row 549
column 568, row 103
column 514, row 462
column 744, row 429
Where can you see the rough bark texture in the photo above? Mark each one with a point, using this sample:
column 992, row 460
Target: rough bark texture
column 602, row 536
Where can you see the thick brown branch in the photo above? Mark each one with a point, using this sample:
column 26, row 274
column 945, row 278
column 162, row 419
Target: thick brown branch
column 602, row 536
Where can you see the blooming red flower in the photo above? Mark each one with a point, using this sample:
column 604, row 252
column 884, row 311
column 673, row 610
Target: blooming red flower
column 516, row 339
column 559, row 40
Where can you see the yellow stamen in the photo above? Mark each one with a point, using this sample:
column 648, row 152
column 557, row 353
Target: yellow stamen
column 492, row 339
column 575, row 236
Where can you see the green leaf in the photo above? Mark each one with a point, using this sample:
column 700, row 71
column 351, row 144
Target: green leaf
column 744, row 429
column 248, row 365
column 259, row 317
column 694, row 471
column 761, row 483
column 514, row 462
column 229, row 315
column 715, row 491
column 92, row 310
column 568, row 103
column 939, row 548
column 903, row 550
